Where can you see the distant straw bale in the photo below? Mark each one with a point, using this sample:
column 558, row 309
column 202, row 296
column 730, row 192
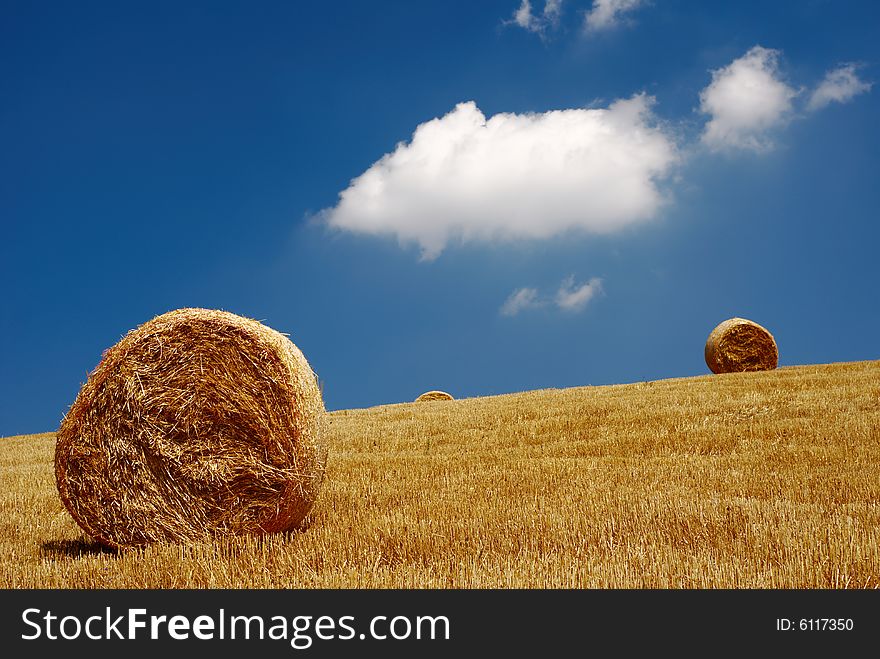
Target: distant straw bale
column 434, row 395
column 199, row 423
column 738, row 345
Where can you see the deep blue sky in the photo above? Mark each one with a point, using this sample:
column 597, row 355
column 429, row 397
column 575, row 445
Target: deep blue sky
column 159, row 155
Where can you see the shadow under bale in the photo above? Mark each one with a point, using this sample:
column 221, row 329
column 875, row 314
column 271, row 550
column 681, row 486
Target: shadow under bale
column 74, row 548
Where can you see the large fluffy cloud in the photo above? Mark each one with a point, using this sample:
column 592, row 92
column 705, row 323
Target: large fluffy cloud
column 606, row 13
column 745, row 101
column 839, row 86
column 465, row 177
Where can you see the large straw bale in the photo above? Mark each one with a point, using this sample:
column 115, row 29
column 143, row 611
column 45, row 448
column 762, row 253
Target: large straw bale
column 738, row 345
column 198, row 423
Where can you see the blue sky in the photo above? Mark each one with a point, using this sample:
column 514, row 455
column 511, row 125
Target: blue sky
column 598, row 186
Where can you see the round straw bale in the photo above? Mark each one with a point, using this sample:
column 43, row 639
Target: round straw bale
column 434, row 395
column 198, row 423
column 738, row 345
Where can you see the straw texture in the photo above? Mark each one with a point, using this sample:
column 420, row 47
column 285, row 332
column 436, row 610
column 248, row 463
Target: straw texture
column 434, row 395
column 738, row 345
column 196, row 424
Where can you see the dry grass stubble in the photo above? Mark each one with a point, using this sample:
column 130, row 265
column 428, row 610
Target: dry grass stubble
column 747, row 480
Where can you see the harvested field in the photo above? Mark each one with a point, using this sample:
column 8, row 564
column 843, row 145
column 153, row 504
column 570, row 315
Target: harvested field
column 746, row 480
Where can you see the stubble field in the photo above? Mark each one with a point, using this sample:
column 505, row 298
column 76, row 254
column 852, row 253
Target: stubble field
column 762, row 480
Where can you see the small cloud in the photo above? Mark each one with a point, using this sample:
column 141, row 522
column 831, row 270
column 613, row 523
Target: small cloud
column 525, row 18
column 573, row 297
column 840, row 85
column 570, row 296
column 745, row 100
column 552, row 10
column 537, row 23
column 464, row 177
column 606, row 14
column 519, row 300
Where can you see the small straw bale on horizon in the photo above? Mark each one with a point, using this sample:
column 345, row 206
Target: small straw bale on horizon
column 739, row 345
column 434, row 395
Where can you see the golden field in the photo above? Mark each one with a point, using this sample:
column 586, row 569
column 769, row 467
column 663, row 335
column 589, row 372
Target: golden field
column 759, row 480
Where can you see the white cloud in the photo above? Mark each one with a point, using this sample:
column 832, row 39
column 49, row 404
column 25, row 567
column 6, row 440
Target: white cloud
column 570, row 296
column 519, row 300
column 552, row 9
column 839, row 86
column 573, row 297
column 513, row 176
column 606, row 13
column 746, row 99
column 524, row 17
column 527, row 20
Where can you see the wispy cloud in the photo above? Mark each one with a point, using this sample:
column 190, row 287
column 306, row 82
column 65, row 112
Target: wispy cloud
column 839, row 85
column 606, row 14
column 519, row 300
column 464, row 177
column 525, row 18
column 574, row 297
column 746, row 100
column 570, row 297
